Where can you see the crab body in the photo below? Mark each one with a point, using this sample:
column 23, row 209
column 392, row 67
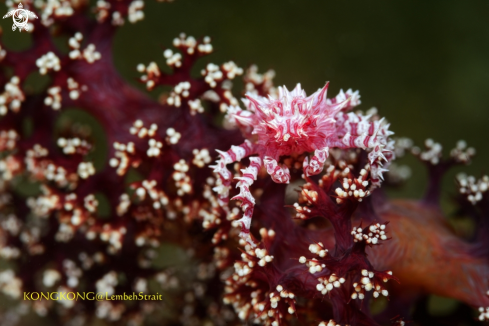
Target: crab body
column 294, row 124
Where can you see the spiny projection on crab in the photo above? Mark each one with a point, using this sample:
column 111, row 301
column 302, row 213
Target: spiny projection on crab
column 295, row 124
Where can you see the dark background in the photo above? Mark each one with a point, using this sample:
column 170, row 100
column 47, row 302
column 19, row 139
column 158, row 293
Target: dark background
column 423, row 64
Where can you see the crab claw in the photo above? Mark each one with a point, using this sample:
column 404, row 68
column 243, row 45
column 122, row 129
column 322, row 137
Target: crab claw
column 279, row 174
column 317, row 162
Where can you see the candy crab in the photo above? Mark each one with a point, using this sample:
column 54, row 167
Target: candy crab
column 294, row 124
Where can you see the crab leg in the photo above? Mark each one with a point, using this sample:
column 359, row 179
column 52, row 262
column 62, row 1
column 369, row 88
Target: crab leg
column 235, row 154
column 360, row 133
column 247, row 200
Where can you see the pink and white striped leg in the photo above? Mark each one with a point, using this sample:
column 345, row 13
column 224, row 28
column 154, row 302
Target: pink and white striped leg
column 247, row 200
column 235, row 154
column 317, row 162
column 370, row 135
column 279, row 174
column 365, row 137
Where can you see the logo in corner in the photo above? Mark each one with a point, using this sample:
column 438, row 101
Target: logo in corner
column 20, row 17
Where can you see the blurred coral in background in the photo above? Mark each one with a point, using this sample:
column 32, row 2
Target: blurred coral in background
column 118, row 187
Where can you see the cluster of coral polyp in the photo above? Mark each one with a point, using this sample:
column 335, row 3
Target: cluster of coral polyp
column 306, row 171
